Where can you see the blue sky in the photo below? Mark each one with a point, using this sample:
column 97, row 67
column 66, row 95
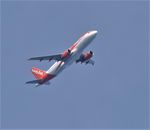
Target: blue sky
column 112, row 94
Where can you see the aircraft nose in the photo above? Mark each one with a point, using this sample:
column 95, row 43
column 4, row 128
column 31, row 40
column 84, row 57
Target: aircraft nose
column 94, row 32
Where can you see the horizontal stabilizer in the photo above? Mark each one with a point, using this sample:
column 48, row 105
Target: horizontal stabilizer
column 33, row 82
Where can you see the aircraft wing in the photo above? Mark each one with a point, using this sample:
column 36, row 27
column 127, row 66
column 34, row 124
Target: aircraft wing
column 51, row 57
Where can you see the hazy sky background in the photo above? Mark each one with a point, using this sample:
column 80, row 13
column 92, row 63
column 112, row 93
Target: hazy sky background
column 112, row 94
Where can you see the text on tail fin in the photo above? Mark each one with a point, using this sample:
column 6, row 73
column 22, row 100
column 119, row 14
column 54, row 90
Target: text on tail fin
column 39, row 74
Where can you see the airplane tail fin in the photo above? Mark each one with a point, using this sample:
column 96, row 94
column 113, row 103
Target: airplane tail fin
column 39, row 74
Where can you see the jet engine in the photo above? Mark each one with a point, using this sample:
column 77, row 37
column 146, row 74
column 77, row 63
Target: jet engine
column 85, row 56
column 65, row 53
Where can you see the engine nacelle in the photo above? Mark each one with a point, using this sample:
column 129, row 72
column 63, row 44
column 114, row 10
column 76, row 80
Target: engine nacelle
column 88, row 55
column 85, row 56
column 65, row 53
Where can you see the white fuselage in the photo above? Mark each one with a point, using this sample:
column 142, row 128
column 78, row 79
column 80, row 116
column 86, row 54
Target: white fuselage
column 81, row 44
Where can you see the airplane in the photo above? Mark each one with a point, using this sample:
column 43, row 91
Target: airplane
column 73, row 54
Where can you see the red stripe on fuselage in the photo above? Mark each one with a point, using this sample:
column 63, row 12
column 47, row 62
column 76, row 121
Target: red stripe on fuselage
column 76, row 43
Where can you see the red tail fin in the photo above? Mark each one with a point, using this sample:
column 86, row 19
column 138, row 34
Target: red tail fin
column 39, row 74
